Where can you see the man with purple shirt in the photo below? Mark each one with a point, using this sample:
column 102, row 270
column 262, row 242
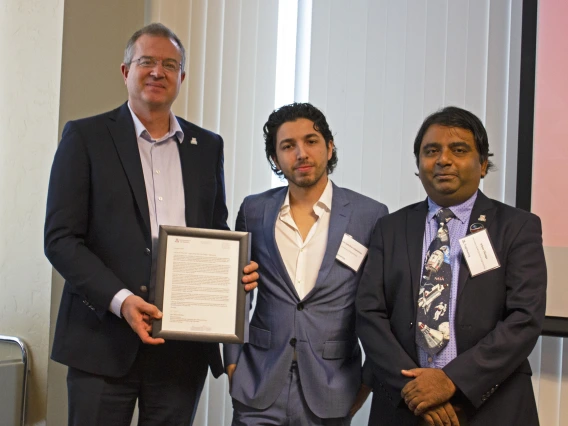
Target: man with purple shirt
column 449, row 346
column 116, row 178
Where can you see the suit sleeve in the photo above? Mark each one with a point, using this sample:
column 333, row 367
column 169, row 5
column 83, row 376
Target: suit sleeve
column 382, row 349
column 487, row 364
column 367, row 376
column 220, row 211
column 66, row 224
column 232, row 351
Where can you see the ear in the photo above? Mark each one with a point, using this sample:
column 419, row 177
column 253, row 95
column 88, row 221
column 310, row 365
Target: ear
column 124, row 70
column 484, row 166
column 182, row 76
column 330, row 146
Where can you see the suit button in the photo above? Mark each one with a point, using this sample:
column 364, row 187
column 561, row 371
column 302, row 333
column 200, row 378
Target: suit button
column 143, row 289
column 300, row 307
column 293, row 342
column 147, row 251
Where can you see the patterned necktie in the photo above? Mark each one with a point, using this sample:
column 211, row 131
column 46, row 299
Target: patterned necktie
column 433, row 331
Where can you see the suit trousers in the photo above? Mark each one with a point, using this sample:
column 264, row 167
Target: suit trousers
column 289, row 409
column 166, row 385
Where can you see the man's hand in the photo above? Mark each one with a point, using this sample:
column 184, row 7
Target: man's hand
column 441, row 415
column 360, row 399
column 251, row 276
column 430, row 387
column 139, row 315
column 230, row 370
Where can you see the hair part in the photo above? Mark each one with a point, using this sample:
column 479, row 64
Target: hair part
column 293, row 112
column 155, row 30
column 452, row 116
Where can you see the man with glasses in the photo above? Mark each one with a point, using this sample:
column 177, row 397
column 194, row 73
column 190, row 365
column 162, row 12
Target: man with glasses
column 116, row 177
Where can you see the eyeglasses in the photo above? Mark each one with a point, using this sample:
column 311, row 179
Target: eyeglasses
column 170, row 65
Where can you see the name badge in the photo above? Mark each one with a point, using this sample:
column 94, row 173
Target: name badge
column 351, row 253
column 478, row 253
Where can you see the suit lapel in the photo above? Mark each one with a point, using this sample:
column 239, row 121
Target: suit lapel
column 121, row 128
column 482, row 206
column 415, row 227
column 271, row 211
column 190, row 170
column 338, row 221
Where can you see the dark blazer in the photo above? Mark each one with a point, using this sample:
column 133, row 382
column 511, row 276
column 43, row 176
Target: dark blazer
column 499, row 316
column 320, row 327
column 97, row 234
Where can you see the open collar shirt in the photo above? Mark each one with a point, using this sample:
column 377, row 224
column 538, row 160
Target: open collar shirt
column 303, row 258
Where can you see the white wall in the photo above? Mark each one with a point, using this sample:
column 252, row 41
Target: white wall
column 30, row 47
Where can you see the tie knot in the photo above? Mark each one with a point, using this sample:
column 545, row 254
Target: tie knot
column 444, row 215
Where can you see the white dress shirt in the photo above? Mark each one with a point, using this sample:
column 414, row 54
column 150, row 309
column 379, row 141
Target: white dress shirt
column 303, row 258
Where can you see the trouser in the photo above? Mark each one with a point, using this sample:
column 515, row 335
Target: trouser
column 166, row 385
column 289, row 409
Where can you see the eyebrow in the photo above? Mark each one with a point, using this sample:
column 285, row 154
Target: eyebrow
column 153, row 57
column 309, row 135
column 451, row 145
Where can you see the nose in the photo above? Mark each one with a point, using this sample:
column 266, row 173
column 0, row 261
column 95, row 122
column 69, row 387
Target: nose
column 300, row 151
column 158, row 70
column 444, row 158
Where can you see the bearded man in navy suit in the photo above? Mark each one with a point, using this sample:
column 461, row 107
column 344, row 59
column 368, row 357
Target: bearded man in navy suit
column 302, row 364
column 115, row 178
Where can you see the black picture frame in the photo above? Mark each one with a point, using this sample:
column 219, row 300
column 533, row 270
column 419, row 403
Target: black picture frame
column 241, row 319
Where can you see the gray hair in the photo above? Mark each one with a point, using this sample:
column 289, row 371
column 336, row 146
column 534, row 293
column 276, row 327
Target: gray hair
column 157, row 30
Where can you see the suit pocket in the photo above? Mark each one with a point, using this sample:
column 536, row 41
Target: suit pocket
column 259, row 337
column 337, row 349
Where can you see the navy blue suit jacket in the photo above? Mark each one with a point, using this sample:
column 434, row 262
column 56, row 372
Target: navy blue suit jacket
column 499, row 316
column 97, row 233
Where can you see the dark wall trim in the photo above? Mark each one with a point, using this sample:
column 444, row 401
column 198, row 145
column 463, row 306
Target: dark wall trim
column 526, row 104
column 555, row 326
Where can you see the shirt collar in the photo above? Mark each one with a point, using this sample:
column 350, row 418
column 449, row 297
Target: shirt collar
column 175, row 129
column 461, row 211
column 324, row 202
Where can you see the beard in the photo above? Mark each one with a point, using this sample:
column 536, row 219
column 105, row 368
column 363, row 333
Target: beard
column 308, row 179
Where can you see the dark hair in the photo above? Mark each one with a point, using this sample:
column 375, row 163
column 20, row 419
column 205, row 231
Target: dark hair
column 156, row 30
column 452, row 116
column 293, row 112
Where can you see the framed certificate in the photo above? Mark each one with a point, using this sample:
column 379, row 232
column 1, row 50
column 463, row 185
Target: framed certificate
column 198, row 285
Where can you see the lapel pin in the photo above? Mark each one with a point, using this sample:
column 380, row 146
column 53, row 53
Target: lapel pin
column 475, row 227
column 481, row 218
column 193, row 141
